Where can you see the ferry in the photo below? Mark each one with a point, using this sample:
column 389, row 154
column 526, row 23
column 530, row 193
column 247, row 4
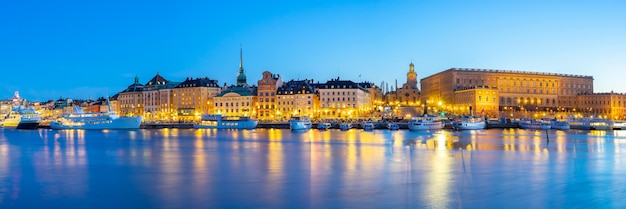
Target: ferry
column 426, row 122
column 534, row 124
column 22, row 117
column 345, row 126
column 300, row 123
column 323, row 126
column 218, row 121
column 469, row 123
column 95, row 121
column 368, row 126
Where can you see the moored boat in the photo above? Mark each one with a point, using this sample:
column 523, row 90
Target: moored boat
column 219, row 121
column 393, row 126
column 368, row 126
column 345, row 126
column 469, row 123
column 300, row 123
column 95, row 121
column 425, row 122
column 21, row 117
column 323, row 126
column 559, row 125
column 534, row 124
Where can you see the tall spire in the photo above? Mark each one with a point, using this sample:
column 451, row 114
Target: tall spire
column 241, row 75
column 240, row 57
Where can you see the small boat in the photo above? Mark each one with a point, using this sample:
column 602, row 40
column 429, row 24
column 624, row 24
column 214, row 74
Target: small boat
column 393, row 126
column 323, row 126
column 345, row 126
column 219, row 121
column 469, row 123
column 368, row 126
column 299, row 123
column 534, row 124
column 426, row 122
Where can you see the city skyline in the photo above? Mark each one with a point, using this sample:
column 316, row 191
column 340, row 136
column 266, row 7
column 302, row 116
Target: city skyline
column 80, row 49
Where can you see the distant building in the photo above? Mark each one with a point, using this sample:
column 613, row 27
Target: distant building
column 266, row 95
column 131, row 100
column 193, row 97
column 408, row 94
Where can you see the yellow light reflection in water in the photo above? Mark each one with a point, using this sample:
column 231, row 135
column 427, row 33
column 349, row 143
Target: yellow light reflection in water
column 439, row 182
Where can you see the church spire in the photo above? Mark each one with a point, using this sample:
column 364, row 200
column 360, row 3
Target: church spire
column 241, row 75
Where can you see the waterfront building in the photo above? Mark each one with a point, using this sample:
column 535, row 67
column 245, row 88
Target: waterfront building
column 519, row 91
column 297, row 98
column 604, row 105
column 158, row 97
column 408, row 94
column 343, row 99
column 193, row 97
column 131, row 100
column 482, row 100
column 266, row 95
column 236, row 101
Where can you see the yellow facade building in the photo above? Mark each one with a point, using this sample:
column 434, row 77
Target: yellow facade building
column 131, row 100
column 236, row 101
column 517, row 90
column 344, row 99
column 297, row 98
column 193, row 97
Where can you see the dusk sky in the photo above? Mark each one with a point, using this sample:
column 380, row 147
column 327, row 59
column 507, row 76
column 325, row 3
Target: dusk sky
column 77, row 49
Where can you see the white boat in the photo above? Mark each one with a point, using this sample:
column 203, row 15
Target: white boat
column 590, row 124
column 601, row 124
column 368, row 126
column 219, row 121
column 95, row 121
column 299, row 123
column 426, row 122
column 469, row 123
column 22, row 117
column 345, row 126
column 579, row 123
column 559, row 125
column 393, row 126
column 323, row 126
column 534, row 124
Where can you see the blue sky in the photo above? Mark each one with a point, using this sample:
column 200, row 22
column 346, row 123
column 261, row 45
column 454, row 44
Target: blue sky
column 77, row 49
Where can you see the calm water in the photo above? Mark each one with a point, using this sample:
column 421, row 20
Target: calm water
column 262, row 168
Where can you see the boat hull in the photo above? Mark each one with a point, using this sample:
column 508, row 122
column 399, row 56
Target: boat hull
column 118, row 123
column 425, row 126
column 300, row 125
column 230, row 125
column 469, row 125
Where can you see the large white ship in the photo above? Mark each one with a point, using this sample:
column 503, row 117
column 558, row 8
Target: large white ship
column 21, row 117
column 219, row 121
column 95, row 121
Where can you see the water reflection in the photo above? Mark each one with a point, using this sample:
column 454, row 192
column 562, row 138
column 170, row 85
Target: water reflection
column 187, row 168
